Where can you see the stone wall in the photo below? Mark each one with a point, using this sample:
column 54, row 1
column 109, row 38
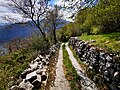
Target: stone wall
column 104, row 63
column 36, row 75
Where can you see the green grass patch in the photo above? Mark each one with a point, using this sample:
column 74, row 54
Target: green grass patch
column 12, row 65
column 109, row 42
column 70, row 72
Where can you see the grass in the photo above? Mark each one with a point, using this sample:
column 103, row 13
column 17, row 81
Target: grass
column 109, row 42
column 70, row 72
column 12, row 65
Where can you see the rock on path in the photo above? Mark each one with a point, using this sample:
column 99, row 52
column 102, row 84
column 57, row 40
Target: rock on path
column 86, row 83
column 61, row 82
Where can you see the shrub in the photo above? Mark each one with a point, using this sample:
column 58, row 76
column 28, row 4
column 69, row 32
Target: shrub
column 40, row 44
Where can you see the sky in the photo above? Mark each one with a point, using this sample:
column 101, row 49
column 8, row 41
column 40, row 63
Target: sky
column 66, row 13
column 5, row 11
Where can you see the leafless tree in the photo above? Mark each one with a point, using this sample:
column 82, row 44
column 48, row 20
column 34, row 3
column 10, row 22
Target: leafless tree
column 31, row 9
column 53, row 18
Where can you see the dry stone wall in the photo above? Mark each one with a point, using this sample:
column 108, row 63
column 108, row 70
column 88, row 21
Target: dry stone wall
column 37, row 74
column 104, row 63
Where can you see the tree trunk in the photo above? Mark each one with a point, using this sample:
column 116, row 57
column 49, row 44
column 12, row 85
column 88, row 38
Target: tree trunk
column 43, row 34
column 54, row 35
column 40, row 29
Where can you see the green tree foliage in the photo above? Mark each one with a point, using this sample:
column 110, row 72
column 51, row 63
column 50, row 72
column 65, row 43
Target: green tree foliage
column 108, row 16
column 104, row 17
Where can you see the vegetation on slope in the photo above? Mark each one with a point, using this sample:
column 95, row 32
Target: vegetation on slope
column 100, row 19
column 109, row 42
column 12, row 65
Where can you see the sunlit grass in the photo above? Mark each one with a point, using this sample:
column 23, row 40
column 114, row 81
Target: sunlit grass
column 109, row 42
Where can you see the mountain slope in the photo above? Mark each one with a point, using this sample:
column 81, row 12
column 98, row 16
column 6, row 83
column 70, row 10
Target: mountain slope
column 19, row 30
column 13, row 31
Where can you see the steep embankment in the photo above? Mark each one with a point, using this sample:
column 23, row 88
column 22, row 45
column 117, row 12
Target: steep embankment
column 37, row 74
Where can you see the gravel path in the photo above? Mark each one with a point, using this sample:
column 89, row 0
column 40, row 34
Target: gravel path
column 61, row 82
column 86, row 83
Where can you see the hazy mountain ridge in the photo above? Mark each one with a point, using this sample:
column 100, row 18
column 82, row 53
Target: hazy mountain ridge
column 13, row 31
column 19, row 30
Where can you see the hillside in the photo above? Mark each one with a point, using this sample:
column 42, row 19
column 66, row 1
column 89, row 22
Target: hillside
column 109, row 42
column 56, row 54
column 20, row 30
column 17, row 30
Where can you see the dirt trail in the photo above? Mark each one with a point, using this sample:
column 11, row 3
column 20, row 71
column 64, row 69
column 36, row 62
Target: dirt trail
column 86, row 83
column 61, row 82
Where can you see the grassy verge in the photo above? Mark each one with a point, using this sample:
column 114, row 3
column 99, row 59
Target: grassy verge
column 70, row 72
column 109, row 42
column 12, row 65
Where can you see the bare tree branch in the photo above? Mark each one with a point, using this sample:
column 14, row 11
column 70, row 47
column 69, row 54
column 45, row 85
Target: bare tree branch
column 32, row 9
